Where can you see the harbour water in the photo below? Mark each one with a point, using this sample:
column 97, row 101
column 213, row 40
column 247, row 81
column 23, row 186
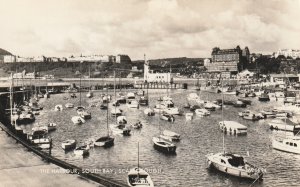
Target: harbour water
column 200, row 137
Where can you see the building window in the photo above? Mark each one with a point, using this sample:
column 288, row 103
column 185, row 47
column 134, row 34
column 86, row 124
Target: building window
column 295, row 145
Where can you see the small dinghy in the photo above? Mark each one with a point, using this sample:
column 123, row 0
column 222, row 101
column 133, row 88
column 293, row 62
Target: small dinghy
column 68, row 144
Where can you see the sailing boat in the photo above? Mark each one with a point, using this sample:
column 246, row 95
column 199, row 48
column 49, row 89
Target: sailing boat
column 80, row 109
column 105, row 141
column 118, row 128
column 139, row 177
column 233, row 164
column 148, row 111
column 90, row 93
column 163, row 145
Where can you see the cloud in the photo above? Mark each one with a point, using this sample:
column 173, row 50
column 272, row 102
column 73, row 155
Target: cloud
column 158, row 28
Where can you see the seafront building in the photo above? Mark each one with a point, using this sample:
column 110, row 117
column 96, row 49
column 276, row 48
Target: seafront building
column 227, row 61
column 154, row 77
column 288, row 53
column 7, row 57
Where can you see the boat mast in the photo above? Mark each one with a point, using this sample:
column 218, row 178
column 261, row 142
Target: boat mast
column 115, row 95
column 11, row 99
column 79, row 89
column 90, row 78
column 138, row 157
column 107, row 114
column 223, row 116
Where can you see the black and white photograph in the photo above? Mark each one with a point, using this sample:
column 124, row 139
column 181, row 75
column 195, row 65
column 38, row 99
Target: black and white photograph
column 144, row 93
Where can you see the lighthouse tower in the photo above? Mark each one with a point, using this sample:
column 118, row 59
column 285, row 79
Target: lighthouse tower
column 146, row 69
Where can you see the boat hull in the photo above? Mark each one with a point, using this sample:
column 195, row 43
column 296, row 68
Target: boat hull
column 278, row 145
column 105, row 142
column 233, row 171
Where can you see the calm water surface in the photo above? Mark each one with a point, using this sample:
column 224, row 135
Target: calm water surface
column 199, row 137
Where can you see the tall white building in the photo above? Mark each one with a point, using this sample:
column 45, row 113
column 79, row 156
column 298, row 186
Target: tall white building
column 288, row 53
column 150, row 76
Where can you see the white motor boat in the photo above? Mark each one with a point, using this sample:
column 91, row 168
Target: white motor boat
column 89, row 94
column 120, row 129
column 130, row 95
column 115, row 112
column 149, row 112
column 26, row 117
column 133, row 104
column 172, row 111
column 189, row 116
column 121, row 120
column 83, row 113
column 202, row 112
column 43, row 143
column 69, row 105
column 51, row 126
column 68, row 144
column 139, row 177
column 232, row 127
column 82, row 150
column 77, row 120
column 167, row 117
column 210, row 106
column 169, row 135
column 235, row 165
column 193, row 97
column 159, row 108
column 58, row 108
column 290, row 145
column 80, row 109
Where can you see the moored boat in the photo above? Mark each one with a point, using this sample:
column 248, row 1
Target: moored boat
column 163, row 145
column 68, row 144
column 58, row 108
column 290, row 145
column 105, row 141
column 235, row 165
column 149, row 112
column 77, row 120
column 169, row 135
column 167, row 117
column 69, row 105
column 82, row 150
column 202, row 112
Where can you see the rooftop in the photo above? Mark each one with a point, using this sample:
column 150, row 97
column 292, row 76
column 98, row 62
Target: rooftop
column 4, row 52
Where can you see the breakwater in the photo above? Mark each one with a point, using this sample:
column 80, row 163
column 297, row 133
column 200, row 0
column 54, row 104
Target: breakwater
column 72, row 168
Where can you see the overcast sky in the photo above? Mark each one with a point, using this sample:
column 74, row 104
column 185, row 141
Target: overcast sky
column 159, row 28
